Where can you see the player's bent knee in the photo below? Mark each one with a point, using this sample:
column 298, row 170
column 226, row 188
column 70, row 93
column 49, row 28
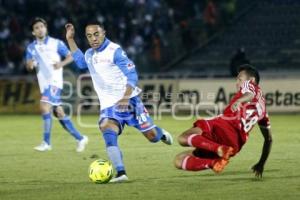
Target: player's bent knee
column 178, row 160
column 108, row 125
column 150, row 135
column 58, row 112
column 154, row 135
column 182, row 140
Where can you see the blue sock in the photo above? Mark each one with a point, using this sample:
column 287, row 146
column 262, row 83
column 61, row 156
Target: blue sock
column 47, row 127
column 159, row 134
column 68, row 126
column 113, row 151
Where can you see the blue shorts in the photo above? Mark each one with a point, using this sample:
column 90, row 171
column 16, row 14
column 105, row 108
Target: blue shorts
column 136, row 116
column 52, row 95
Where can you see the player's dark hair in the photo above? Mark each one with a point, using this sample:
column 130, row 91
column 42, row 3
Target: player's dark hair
column 36, row 20
column 95, row 22
column 250, row 71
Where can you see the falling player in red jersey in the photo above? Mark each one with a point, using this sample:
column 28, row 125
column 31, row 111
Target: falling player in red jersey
column 219, row 138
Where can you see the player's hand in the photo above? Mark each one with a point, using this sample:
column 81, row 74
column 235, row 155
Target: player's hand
column 57, row 65
column 30, row 65
column 235, row 106
column 258, row 169
column 70, row 31
column 123, row 105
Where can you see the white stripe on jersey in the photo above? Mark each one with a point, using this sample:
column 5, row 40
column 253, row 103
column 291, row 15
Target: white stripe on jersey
column 248, row 87
column 108, row 79
column 46, row 54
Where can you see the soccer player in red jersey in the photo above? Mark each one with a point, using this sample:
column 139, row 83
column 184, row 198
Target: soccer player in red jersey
column 219, row 138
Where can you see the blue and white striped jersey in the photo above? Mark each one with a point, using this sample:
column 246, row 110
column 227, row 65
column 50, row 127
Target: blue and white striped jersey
column 46, row 54
column 111, row 71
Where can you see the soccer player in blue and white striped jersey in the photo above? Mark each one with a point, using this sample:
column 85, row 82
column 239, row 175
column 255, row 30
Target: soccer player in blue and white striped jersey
column 45, row 54
column 115, row 81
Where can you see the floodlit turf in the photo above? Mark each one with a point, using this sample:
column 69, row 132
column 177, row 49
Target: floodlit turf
column 62, row 173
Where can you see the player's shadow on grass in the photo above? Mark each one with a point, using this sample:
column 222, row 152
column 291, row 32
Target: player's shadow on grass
column 234, row 176
column 248, row 179
column 247, row 172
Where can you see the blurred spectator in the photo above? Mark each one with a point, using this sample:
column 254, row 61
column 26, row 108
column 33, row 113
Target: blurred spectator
column 228, row 8
column 141, row 26
column 156, row 52
column 211, row 17
column 187, row 37
column 4, row 32
column 238, row 59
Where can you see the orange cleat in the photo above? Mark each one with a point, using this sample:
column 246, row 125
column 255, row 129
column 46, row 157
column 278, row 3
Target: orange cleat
column 219, row 165
column 225, row 152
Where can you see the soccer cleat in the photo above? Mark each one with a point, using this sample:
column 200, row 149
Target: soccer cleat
column 82, row 143
column 219, row 165
column 225, row 152
column 119, row 179
column 167, row 137
column 44, row 146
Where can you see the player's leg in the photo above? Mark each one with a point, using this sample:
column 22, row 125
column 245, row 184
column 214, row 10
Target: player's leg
column 144, row 123
column 201, row 136
column 45, row 109
column 67, row 124
column 158, row 134
column 110, row 129
column 179, row 158
column 183, row 137
column 189, row 161
column 194, row 137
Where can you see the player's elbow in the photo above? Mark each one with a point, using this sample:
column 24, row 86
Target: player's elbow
column 269, row 139
column 132, row 81
column 69, row 58
column 79, row 59
column 80, row 64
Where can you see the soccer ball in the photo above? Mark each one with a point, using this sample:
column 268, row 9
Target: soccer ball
column 101, row 171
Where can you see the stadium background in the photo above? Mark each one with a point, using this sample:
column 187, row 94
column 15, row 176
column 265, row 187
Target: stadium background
column 187, row 48
column 168, row 40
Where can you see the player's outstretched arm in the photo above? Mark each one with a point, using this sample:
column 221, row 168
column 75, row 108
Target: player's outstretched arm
column 258, row 168
column 245, row 98
column 70, row 33
column 65, row 62
column 76, row 52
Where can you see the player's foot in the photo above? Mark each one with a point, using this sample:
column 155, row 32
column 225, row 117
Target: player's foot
column 225, row 152
column 44, row 146
column 167, row 137
column 119, row 179
column 82, row 143
column 219, row 165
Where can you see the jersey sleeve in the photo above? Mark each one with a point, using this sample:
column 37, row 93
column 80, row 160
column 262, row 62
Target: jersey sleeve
column 126, row 66
column 265, row 121
column 62, row 49
column 248, row 87
column 28, row 54
column 79, row 59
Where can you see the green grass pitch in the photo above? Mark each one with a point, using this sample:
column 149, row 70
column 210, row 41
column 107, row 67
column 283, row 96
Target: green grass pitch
column 62, row 173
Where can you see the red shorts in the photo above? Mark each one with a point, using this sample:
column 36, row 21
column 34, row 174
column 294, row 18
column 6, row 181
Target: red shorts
column 220, row 131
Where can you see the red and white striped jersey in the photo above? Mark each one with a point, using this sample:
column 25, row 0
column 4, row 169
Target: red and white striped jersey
column 249, row 113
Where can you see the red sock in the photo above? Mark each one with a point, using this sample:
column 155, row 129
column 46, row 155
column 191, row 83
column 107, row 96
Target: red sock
column 193, row 163
column 202, row 142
